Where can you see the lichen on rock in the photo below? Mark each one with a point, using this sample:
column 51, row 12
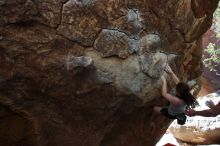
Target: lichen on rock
column 112, row 42
column 84, row 2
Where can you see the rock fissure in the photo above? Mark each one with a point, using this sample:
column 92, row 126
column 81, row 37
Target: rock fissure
column 61, row 16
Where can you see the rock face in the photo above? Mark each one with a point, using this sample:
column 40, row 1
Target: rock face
column 87, row 72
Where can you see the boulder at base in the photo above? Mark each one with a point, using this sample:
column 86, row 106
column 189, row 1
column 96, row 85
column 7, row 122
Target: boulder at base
column 197, row 130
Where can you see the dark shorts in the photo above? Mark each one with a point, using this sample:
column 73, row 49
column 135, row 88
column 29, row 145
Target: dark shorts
column 181, row 118
column 164, row 111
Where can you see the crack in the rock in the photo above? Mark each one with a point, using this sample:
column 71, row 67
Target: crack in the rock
column 75, row 41
column 61, row 16
column 64, row 1
column 61, row 11
column 118, row 30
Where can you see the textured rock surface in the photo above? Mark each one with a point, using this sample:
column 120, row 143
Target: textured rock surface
column 197, row 130
column 87, row 72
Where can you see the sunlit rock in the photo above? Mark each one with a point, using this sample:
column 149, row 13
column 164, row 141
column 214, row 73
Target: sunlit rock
column 199, row 130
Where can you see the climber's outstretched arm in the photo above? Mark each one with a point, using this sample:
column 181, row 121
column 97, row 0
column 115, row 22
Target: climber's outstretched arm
column 174, row 100
column 212, row 112
column 175, row 78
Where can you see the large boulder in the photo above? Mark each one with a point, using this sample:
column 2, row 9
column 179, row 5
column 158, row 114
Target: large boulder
column 87, row 72
column 199, row 130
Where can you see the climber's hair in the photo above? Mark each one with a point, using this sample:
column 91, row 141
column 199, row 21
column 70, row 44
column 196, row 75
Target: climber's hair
column 184, row 94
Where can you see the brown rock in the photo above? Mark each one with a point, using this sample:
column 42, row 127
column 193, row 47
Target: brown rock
column 22, row 11
column 87, row 72
column 112, row 42
column 79, row 24
column 49, row 12
column 16, row 129
column 200, row 9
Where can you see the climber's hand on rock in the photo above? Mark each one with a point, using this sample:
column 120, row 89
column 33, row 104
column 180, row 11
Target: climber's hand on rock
column 168, row 69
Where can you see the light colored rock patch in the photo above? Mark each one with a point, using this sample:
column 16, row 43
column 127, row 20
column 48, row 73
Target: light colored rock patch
column 153, row 64
column 169, row 138
column 126, row 74
column 83, row 2
column 134, row 18
column 133, row 45
column 116, row 43
column 112, row 42
column 82, row 61
column 104, row 77
column 150, row 42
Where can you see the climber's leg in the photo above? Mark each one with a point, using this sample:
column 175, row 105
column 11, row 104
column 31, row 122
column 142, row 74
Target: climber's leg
column 157, row 109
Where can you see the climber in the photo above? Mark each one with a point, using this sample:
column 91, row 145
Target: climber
column 179, row 103
column 213, row 110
